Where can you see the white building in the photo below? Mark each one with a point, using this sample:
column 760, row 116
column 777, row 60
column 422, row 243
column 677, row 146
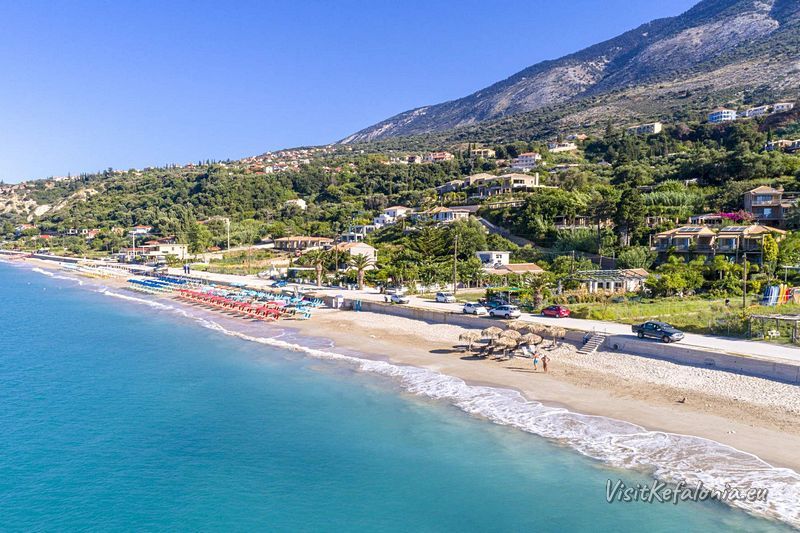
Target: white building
column 352, row 249
column 526, row 161
column 445, row 215
column 437, row 157
column 754, row 112
column 556, row 147
column 141, row 230
column 493, row 259
column 650, row 128
column 722, row 115
column 299, row 202
column 391, row 215
column 781, row 107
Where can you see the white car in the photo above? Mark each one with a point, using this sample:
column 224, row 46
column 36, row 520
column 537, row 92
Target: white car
column 445, row 298
column 474, row 308
column 506, row 311
column 397, row 299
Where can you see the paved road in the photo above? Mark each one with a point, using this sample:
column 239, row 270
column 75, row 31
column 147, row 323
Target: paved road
column 706, row 342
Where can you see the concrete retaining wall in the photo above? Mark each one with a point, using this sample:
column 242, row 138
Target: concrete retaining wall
column 786, row 372
column 752, row 366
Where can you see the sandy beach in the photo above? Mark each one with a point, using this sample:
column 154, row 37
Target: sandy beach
column 750, row 414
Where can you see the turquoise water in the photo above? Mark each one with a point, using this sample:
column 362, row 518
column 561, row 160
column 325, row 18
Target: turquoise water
column 116, row 416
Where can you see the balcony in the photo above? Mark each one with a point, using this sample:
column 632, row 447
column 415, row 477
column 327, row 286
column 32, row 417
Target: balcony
column 766, row 202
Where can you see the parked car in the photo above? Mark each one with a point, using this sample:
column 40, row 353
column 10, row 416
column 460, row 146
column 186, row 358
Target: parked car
column 491, row 304
column 556, row 311
column 280, row 283
column 474, row 308
column 657, row 330
column 505, row 311
column 445, row 298
column 397, row 298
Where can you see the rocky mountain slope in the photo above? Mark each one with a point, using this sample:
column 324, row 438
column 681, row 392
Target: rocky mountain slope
column 719, row 48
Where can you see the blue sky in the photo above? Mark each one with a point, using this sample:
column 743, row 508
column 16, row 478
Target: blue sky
column 91, row 85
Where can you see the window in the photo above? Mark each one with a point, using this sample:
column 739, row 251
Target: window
column 767, row 212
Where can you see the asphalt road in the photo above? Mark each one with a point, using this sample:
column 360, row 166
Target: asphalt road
column 706, row 342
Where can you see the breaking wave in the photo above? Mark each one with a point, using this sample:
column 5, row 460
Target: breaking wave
column 54, row 275
column 669, row 457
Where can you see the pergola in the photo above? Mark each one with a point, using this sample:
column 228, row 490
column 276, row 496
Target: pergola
column 764, row 321
column 602, row 278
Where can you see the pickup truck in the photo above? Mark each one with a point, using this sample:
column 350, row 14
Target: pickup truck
column 657, row 330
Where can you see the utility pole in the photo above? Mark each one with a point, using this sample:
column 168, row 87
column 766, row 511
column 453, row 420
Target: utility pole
column 744, row 285
column 228, row 228
column 455, row 264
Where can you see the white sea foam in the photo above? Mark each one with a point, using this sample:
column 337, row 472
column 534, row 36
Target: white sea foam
column 53, row 275
column 668, row 456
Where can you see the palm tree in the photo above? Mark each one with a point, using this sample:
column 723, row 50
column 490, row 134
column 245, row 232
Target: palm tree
column 361, row 263
column 318, row 259
column 539, row 285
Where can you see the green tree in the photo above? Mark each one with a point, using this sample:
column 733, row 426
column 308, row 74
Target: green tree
column 360, row 263
column 199, row 238
column 629, row 217
column 319, row 260
column 769, row 247
column 636, row 257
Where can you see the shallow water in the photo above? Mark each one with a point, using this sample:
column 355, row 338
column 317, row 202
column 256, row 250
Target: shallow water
column 118, row 414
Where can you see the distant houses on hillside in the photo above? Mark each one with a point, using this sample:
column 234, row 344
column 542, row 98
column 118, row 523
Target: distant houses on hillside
column 650, row 128
column 729, row 240
column 722, row 114
column 768, row 205
column 526, row 162
column 437, row 157
column 485, row 185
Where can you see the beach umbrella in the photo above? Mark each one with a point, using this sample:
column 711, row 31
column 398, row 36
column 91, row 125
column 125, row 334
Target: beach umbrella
column 506, row 343
column 469, row 337
column 511, row 334
column 517, row 325
column 532, row 338
column 491, row 333
column 557, row 333
column 536, row 329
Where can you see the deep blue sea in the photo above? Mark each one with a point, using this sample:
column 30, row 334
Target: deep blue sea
column 116, row 416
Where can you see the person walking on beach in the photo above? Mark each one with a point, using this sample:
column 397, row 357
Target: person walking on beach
column 535, row 360
column 545, row 360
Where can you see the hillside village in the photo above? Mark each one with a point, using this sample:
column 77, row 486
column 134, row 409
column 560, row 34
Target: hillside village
column 656, row 209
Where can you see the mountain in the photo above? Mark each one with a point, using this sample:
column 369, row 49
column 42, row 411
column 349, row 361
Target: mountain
column 725, row 49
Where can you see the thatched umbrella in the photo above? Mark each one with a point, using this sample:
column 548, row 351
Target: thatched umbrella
column 535, row 329
column 557, row 333
column 511, row 334
column 532, row 338
column 469, row 337
column 506, row 343
column 517, row 325
column 491, row 332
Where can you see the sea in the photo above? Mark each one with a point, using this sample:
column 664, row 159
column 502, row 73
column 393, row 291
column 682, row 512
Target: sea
column 122, row 413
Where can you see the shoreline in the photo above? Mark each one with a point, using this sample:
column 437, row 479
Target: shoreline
column 567, row 387
column 377, row 337
column 744, row 426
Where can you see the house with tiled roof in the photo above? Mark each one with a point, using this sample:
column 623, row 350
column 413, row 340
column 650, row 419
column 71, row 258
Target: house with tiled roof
column 768, row 205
